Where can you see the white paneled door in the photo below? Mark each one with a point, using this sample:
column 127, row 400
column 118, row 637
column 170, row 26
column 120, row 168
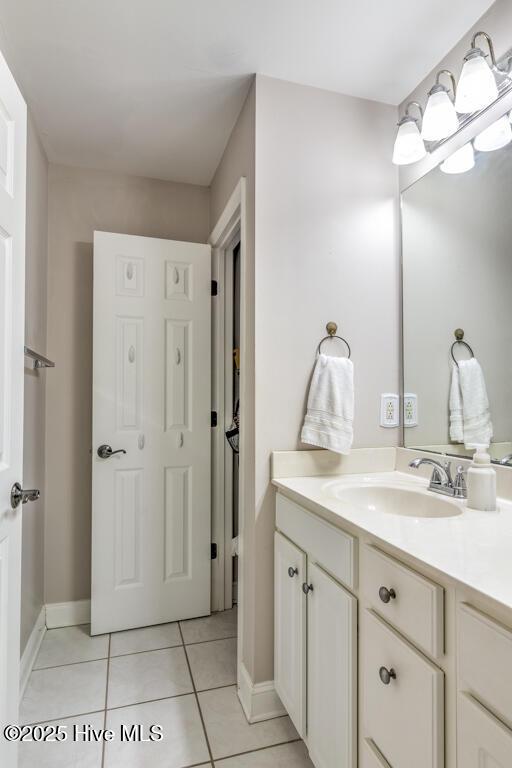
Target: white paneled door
column 151, row 431
column 13, row 139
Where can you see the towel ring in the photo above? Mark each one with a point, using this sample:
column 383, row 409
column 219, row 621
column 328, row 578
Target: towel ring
column 331, row 329
column 459, row 339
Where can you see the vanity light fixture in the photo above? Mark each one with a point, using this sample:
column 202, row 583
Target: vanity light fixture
column 440, row 119
column 461, row 161
column 496, row 136
column 477, row 84
column 409, row 146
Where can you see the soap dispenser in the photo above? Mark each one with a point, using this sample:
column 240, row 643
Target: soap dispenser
column 481, row 481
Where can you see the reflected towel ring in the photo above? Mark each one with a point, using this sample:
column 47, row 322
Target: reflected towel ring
column 331, row 329
column 459, row 339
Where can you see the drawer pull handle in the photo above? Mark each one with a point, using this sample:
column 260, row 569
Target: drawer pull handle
column 292, row 572
column 386, row 675
column 386, row 594
column 307, row 588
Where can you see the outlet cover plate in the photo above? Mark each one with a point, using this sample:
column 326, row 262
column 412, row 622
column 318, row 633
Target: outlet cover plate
column 389, row 410
column 410, row 409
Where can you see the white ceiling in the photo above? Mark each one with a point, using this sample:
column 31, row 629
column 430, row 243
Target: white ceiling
column 153, row 87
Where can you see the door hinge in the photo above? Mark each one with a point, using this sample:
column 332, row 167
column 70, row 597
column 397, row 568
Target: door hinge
column 215, row 288
column 214, row 419
column 214, row 551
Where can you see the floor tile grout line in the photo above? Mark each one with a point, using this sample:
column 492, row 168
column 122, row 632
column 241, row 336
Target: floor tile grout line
column 63, row 717
column 106, row 703
column 213, row 640
column 132, row 653
column 148, row 650
column 258, row 749
column 134, row 704
column 70, row 664
column 208, row 746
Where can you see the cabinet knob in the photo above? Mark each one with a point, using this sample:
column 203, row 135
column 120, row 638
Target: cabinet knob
column 386, row 594
column 386, row 675
column 292, row 572
column 307, row 588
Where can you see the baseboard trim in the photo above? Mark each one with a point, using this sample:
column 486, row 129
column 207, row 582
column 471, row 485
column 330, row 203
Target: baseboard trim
column 32, row 649
column 259, row 700
column 68, row 614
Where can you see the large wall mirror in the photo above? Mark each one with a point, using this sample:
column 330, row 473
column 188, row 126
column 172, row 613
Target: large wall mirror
column 457, row 276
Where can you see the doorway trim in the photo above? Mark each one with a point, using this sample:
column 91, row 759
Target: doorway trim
column 229, row 229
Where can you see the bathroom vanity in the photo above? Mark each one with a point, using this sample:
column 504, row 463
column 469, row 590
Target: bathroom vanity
column 393, row 619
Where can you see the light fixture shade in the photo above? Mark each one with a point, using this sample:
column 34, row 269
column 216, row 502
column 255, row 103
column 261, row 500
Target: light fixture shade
column 477, row 86
column 461, row 161
column 409, row 146
column 440, row 119
column 496, row 136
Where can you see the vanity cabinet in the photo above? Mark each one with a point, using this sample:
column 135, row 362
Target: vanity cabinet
column 316, row 635
column 359, row 633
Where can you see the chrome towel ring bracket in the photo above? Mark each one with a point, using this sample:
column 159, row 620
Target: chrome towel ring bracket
column 459, row 339
column 331, row 329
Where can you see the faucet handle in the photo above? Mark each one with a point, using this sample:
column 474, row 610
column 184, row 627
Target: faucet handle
column 459, row 485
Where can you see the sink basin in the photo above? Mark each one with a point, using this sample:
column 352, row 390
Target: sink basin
column 395, row 501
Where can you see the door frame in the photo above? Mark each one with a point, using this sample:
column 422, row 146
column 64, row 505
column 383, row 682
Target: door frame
column 228, row 231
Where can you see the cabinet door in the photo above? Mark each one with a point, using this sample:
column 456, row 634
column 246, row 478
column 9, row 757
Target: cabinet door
column 332, row 672
column 483, row 741
column 290, row 629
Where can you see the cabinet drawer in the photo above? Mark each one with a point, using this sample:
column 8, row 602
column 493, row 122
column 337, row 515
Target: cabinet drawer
column 371, row 757
column 417, row 606
column 406, row 716
column 333, row 549
column 483, row 741
column 485, row 660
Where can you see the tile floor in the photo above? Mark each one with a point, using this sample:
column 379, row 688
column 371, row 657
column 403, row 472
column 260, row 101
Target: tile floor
column 180, row 676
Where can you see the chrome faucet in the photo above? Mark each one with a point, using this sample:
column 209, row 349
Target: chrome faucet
column 506, row 459
column 441, row 479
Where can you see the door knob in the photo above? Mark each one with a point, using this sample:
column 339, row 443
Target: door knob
column 292, row 572
column 387, row 675
column 307, row 588
column 105, row 451
column 19, row 496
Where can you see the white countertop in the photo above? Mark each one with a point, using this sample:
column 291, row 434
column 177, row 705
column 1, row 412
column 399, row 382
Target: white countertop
column 472, row 548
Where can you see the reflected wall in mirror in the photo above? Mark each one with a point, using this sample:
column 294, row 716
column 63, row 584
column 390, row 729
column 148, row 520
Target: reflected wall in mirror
column 457, row 273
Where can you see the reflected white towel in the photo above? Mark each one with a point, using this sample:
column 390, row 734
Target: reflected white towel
column 330, row 412
column 470, row 416
column 456, row 419
column 475, row 404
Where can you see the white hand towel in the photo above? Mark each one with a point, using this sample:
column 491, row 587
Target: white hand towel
column 456, row 418
column 330, row 413
column 475, row 404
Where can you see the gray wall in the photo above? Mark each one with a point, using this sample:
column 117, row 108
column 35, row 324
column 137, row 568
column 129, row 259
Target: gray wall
column 81, row 201
column 32, row 566
column 325, row 248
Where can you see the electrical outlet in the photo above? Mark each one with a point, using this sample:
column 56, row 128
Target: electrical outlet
column 410, row 410
column 389, row 410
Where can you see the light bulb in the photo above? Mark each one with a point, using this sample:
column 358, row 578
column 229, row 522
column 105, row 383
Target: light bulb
column 496, row 136
column 461, row 161
column 440, row 119
column 409, row 146
column 477, row 85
